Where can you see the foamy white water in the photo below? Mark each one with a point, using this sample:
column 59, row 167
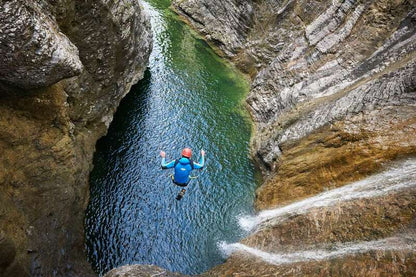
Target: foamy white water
column 400, row 176
column 392, row 243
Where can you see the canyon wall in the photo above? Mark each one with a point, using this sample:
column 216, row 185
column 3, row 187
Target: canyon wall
column 333, row 100
column 64, row 67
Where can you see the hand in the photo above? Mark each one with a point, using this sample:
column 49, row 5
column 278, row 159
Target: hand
column 202, row 152
column 162, row 154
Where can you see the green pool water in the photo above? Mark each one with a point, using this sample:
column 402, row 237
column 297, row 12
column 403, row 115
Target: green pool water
column 188, row 97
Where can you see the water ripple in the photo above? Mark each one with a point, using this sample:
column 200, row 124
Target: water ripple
column 188, row 97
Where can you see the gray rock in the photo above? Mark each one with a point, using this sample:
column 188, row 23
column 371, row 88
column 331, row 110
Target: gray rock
column 53, row 110
column 314, row 62
column 328, row 78
column 225, row 23
column 114, row 51
column 33, row 51
column 140, row 271
column 332, row 92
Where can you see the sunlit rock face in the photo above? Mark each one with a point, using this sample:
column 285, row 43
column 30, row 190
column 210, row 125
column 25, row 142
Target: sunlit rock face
column 333, row 100
column 64, row 67
column 315, row 62
column 224, row 24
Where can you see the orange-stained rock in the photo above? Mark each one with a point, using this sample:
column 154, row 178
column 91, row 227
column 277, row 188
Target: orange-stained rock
column 340, row 153
column 49, row 124
column 374, row 263
column 333, row 99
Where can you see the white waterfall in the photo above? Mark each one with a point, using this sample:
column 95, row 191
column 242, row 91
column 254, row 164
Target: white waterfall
column 400, row 176
column 392, row 243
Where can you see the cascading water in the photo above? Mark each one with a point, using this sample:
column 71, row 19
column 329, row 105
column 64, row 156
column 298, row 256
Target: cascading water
column 393, row 243
column 190, row 98
column 398, row 177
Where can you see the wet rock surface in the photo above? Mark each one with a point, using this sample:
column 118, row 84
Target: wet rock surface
column 140, row 271
column 332, row 97
column 356, row 220
column 50, row 124
column 374, row 262
column 340, row 153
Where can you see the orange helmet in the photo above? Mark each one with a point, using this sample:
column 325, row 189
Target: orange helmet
column 187, row 152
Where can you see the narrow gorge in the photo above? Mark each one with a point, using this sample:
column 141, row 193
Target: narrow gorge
column 188, row 97
column 330, row 86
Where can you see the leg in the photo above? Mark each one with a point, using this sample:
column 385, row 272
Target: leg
column 181, row 194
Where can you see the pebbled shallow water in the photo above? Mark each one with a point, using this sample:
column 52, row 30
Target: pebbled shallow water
column 188, row 97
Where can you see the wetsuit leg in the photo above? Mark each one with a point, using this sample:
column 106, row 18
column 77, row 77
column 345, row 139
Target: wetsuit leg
column 181, row 194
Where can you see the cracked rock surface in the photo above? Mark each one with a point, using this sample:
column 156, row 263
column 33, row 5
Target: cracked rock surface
column 313, row 62
column 34, row 52
column 64, row 67
column 333, row 100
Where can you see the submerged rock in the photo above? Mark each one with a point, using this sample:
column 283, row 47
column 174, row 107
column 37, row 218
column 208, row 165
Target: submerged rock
column 140, row 271
column 49, row 123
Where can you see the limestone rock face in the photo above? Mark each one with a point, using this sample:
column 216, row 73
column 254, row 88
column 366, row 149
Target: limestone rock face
column 34, row 53
column 332, row 91
column 49, row 123
column 224, row 23
column 306, row 55
column 333, row 100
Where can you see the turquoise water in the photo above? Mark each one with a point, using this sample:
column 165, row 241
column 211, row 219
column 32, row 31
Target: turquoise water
column 188, row 98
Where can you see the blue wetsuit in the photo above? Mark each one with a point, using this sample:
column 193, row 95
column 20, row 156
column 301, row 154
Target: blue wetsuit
column 183, row 168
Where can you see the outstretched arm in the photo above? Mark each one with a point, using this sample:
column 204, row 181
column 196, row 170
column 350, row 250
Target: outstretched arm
column 201, row 163
column 165, row 165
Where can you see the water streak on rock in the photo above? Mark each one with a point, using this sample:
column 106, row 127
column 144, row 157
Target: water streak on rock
column 392, row 243
column 400, row 176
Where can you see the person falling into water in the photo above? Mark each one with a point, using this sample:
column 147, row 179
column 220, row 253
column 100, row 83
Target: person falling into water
column 183, row 168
